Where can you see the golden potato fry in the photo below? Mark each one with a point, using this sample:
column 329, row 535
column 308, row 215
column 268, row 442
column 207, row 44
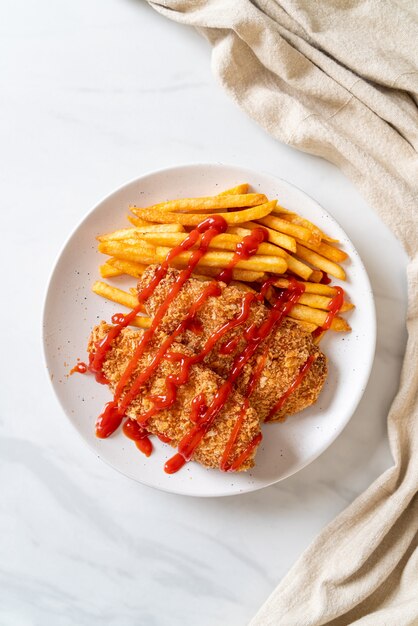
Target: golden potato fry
column 141, row 321
column 241, row 275
column 328, row 251
column 234, row 191
column 113, row 293
column 139, row 253
column 322, row 302
column 297, row 220
column 279, row 239
column 318, row 317
column 220, row 259
column 108, row 271
column 161, row 228
column 323, row 290
column 294, row 265
column 298, row 268
column 207, row 203
column 122, row 233
column 316, row 276
column 317, row 232
column 136, row 221
column 128, row 267
column 320, row 262
column 129, row 233
column 121, row 297
column 235, row 217
column 226, row 241
column 288, row 228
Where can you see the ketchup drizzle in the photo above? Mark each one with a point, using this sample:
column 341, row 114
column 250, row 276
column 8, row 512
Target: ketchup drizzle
column 334, row 307
column 229, row 346
column 108, row 421
column 295, row 384
column 201, row 415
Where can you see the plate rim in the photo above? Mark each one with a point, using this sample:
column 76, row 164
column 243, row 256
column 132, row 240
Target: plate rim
column 255, row 173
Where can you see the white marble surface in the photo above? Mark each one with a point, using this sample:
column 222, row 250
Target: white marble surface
column 94, row 94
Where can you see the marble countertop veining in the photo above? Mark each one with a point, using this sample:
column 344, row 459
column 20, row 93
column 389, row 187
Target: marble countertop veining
column 94, row 94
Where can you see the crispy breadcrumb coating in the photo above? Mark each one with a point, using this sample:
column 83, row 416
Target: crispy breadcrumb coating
column 285, row 351
column 175, row 422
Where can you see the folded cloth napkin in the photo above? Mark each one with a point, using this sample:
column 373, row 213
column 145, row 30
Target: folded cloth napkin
column 339, row 78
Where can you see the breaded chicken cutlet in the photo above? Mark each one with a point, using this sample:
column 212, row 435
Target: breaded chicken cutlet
column 174, row 423
column 281, row 356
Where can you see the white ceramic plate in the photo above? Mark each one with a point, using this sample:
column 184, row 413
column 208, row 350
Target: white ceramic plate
column 71, row 309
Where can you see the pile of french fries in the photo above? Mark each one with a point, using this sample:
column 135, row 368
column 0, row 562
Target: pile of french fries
column 295, row 246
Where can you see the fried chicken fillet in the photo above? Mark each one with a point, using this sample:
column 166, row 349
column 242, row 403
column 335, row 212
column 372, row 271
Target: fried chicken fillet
column 283, row 353
column 175, row 422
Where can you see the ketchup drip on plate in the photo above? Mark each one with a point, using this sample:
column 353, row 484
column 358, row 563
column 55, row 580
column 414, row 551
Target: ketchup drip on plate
column 80, row 368
column 134, row 431
column 108, row 421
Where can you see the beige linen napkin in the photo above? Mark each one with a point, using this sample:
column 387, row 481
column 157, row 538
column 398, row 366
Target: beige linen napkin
column 340, row 79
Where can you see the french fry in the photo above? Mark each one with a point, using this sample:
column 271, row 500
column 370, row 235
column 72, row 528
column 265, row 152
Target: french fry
column 140, row 321
column 108, row 271
column 121, row 297
column 137, row 253
column 207, row 203
column 233, row 191
column 318, row 288
column 161, row 228
column 271, row 250
column 279, row 239
column 294, row 265
column 297, row 219
column 288, row 228
column 136, row 221
column 225, row 241
column 122, row 233
column 246, row 276
column 114, row 294
column 297, row 267
column 316, row 276
column 320, row 262
column 137, row 232
column 128, row 267
column 318, row 317
column 129, row 262
column 235, row 217
column 322, row 302
column 328, row 251
column 220, row 259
